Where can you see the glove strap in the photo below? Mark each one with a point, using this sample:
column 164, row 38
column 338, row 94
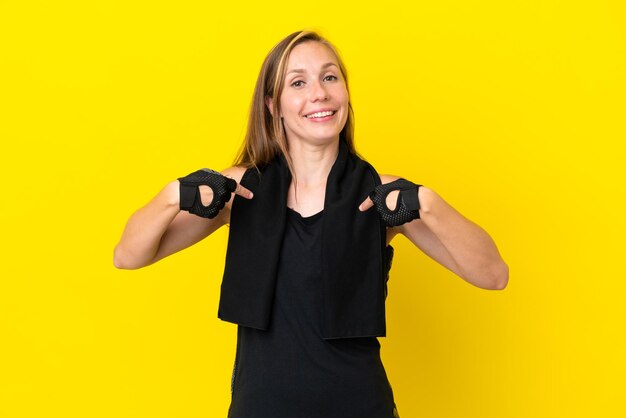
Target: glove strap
column 410, row 199
column 188, row 194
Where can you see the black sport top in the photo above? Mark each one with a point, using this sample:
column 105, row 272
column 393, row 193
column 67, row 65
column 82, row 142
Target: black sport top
column 289, row 370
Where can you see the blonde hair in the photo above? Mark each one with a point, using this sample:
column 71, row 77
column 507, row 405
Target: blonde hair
column 265, row 136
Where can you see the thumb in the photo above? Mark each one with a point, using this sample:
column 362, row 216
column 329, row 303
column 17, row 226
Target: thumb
column 366, row 204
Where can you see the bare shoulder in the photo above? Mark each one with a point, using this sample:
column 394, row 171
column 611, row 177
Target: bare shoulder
column 388, row 178
column 235, row 172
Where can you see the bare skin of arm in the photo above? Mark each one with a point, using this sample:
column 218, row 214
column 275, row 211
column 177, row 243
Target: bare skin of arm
column 160, row 228
column 450, row 239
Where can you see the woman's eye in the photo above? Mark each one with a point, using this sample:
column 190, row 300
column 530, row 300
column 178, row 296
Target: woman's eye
column 332, row 77
column 297, row 83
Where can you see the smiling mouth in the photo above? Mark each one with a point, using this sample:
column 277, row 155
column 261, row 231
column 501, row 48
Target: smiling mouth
column 319, row 115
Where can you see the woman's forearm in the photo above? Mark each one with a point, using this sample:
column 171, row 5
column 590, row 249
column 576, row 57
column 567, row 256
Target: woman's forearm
column 469, row 245
column 141, row 237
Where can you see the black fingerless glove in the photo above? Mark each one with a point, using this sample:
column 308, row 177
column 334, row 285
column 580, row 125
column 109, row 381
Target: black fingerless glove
column 407, row 206
column 190, row 200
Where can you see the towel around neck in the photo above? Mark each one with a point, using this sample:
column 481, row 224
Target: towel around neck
column 355, row 259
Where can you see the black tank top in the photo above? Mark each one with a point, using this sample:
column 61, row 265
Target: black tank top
column 289, row 371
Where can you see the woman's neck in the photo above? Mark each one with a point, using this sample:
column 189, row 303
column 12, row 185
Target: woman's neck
column 312, row 163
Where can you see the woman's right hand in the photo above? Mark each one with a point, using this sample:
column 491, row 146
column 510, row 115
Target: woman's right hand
column 205, row 192
column 160, row 228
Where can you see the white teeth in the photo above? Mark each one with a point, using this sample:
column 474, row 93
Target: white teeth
column 320, row 114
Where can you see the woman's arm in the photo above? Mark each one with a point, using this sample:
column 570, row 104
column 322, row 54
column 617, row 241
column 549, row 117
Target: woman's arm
column 160, row 228
column 454, row 241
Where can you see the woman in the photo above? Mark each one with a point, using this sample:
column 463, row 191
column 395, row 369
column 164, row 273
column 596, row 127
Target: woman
column 307, row 260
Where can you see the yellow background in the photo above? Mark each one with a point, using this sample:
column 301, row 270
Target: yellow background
column 513, row 111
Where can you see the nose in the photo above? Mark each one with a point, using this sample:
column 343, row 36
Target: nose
column 318, row 92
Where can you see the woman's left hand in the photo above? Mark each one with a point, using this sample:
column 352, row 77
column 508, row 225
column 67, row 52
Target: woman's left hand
column 442, row 233
column 407, row 204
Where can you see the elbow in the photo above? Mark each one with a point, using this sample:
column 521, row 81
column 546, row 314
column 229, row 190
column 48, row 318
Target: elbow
column 494, row 277
column 119, row 265
column 501, row 276
column 120, row 262
column 117, row 259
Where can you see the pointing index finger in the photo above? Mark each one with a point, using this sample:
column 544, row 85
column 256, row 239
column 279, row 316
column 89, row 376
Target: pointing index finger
column 243, row 192
column 366, row 204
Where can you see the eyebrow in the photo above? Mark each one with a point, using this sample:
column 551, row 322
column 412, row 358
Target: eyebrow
column 300, row 70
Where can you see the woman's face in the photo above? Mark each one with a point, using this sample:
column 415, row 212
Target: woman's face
column 314, row 100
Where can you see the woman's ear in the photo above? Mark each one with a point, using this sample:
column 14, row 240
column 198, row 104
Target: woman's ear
column 269, row 104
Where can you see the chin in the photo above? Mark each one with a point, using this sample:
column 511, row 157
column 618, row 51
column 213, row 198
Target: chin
column 328, row 133
column 318, row 140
